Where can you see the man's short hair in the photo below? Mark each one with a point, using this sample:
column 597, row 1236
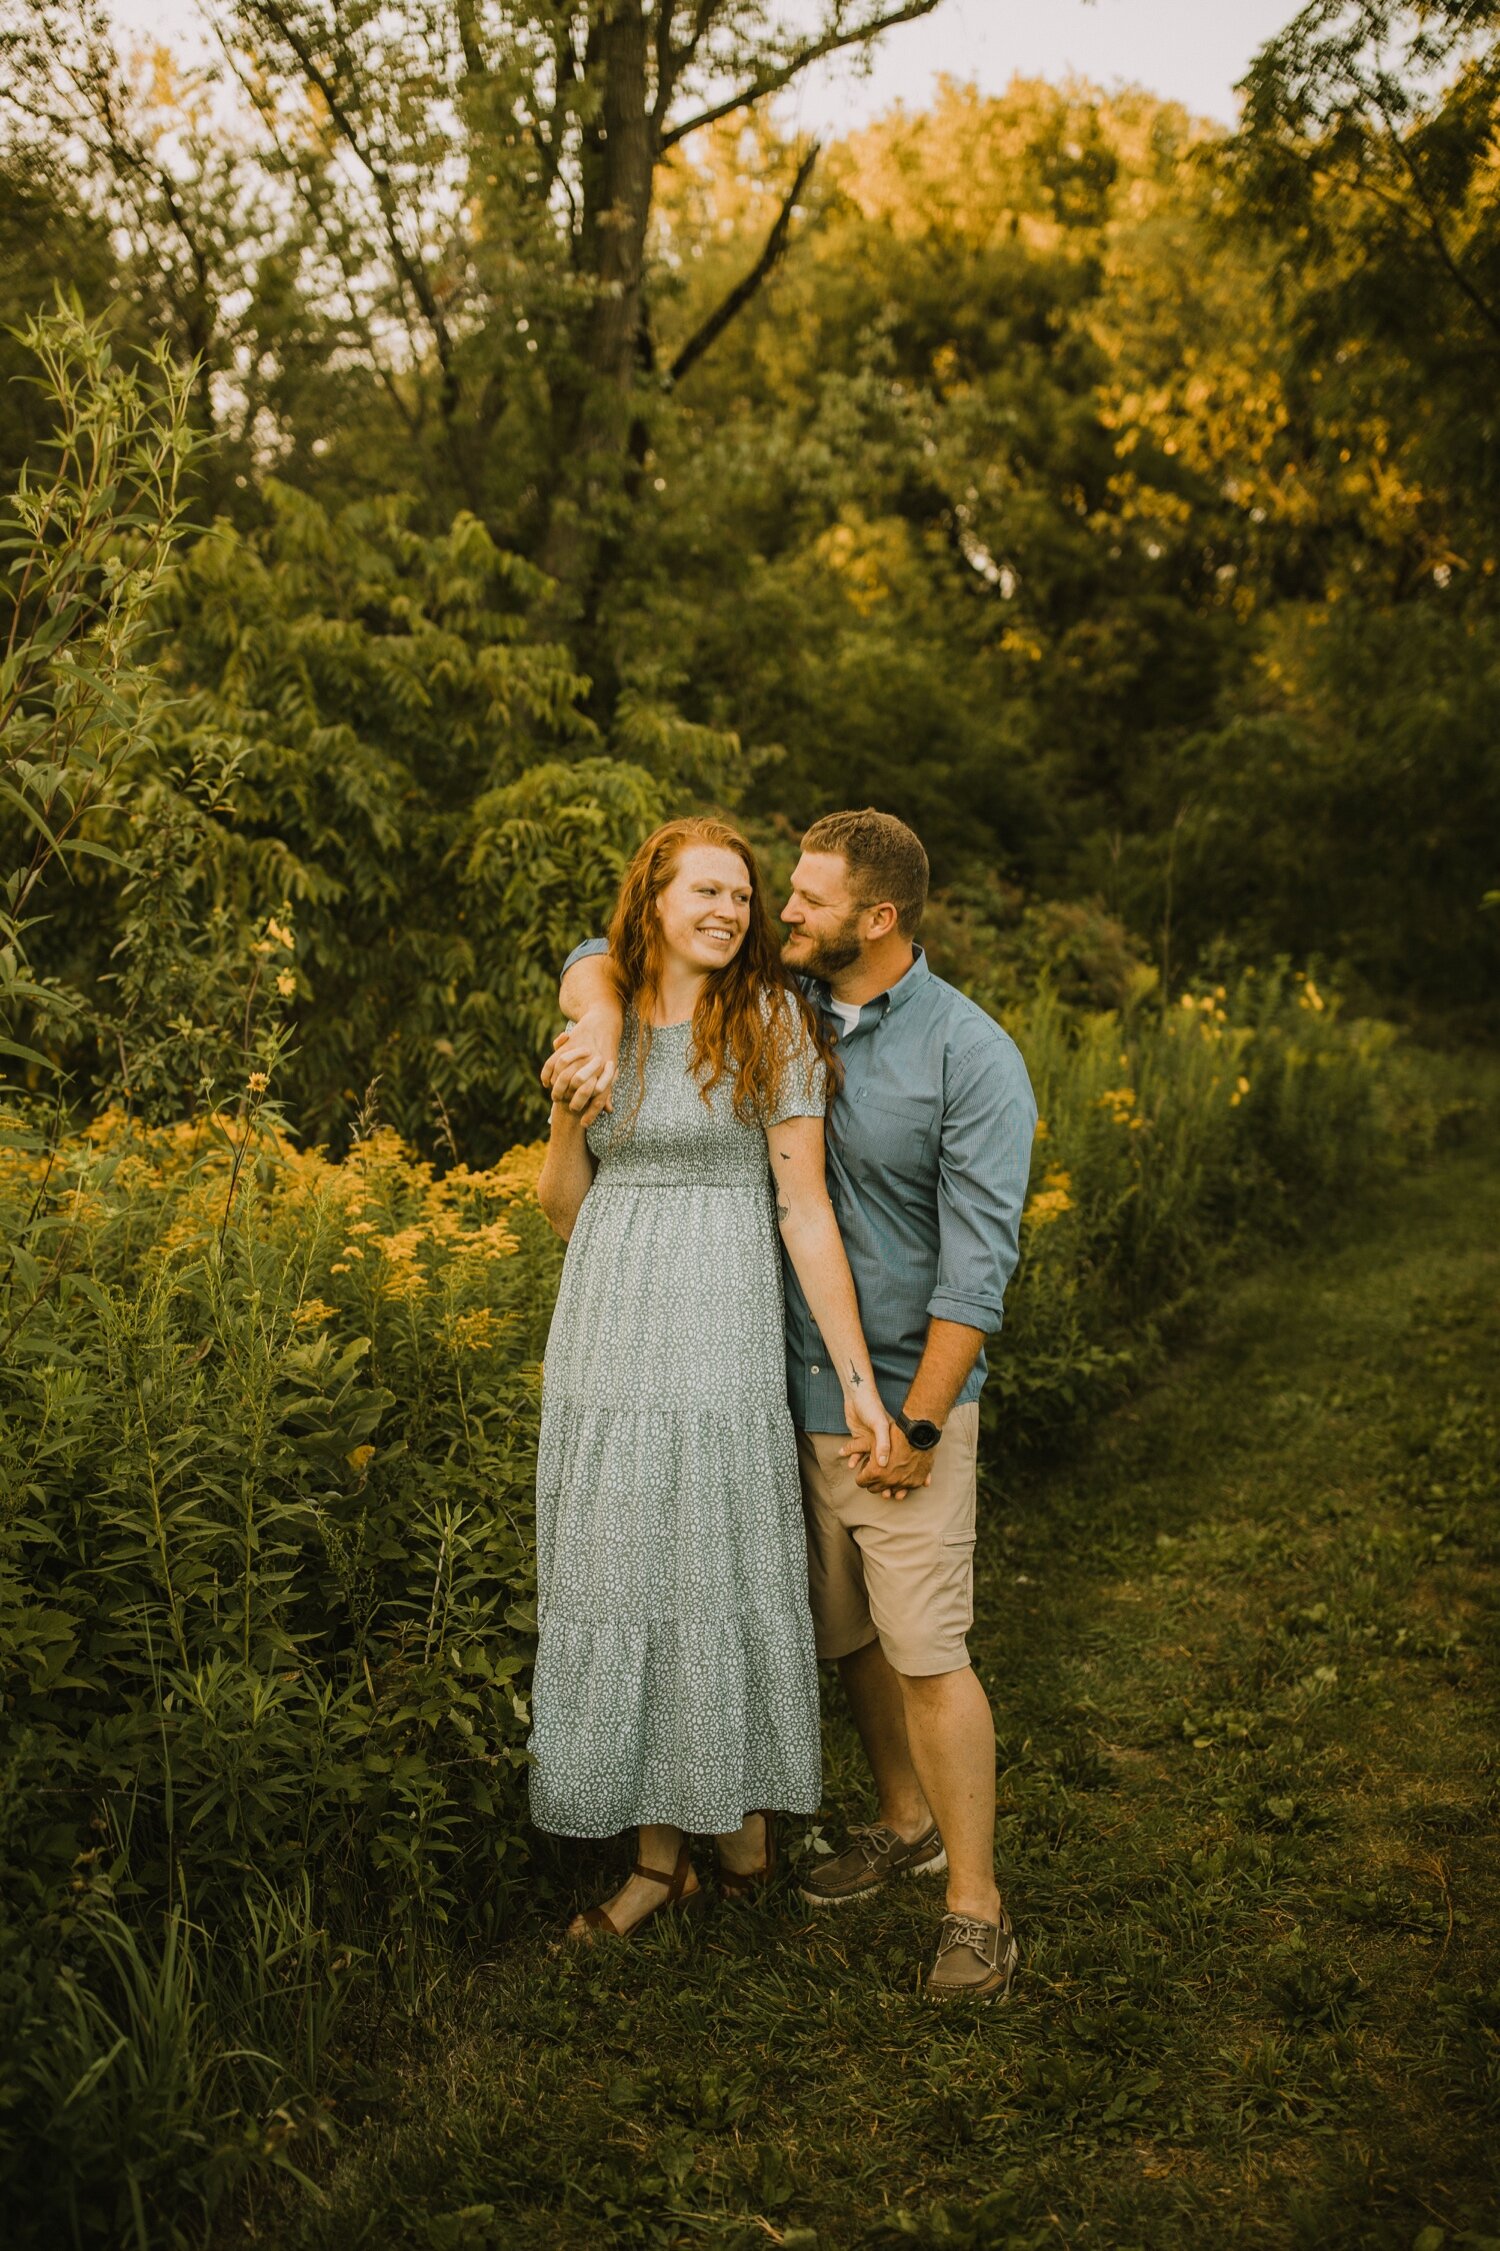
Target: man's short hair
column 885, row 859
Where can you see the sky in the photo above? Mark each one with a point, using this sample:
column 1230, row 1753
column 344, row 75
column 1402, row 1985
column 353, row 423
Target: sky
column 1191, row 51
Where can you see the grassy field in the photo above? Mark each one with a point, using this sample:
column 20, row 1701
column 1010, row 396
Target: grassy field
column 1241, row 1648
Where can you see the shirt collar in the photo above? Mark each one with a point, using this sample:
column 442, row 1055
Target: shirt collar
column 909, row 982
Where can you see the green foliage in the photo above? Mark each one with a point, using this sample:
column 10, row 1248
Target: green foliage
column 420, row 783
column 1163, row 1132
column 86, row 550
column 349, row 737
column 267, row 1429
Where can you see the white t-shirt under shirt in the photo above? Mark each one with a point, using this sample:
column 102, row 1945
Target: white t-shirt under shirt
column 847, row 1012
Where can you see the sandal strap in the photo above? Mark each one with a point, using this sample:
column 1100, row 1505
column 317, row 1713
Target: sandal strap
column 675, row 1882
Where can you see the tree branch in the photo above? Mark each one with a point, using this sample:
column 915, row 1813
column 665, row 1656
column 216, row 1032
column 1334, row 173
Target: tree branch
column 771, row 81
column 739, row 297
column 411, row 270
column 1435, row 232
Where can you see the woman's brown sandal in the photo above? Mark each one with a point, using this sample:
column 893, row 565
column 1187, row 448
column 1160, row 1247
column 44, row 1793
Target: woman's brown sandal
column 677, row 1895
column 734, row 1885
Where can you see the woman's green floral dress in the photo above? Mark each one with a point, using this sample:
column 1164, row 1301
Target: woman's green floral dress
column 675, row 1675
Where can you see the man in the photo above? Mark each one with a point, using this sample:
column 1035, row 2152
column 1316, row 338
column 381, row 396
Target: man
column 929, row 1147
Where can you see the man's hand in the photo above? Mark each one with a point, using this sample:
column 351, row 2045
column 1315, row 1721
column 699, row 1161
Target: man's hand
column 579, row 1074
column 907, row 1471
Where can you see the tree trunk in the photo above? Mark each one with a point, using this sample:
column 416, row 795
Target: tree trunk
column 594, row 402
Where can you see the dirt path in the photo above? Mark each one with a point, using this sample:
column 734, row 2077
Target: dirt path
column 1242, row 1645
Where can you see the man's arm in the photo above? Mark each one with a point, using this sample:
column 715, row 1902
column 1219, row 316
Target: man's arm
column 580, row 1072
column 947, row 1361
column 989, row 1118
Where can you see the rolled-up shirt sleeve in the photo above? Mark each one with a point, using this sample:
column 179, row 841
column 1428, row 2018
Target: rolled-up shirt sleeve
column 582, row 953
column 989, row 1119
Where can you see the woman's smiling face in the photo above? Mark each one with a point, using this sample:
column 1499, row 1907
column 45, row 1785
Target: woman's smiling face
column 705, row 908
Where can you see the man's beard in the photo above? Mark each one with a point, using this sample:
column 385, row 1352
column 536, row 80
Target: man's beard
column 830, row 957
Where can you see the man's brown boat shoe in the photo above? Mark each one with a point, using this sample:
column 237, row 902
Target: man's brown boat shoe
column 873, row 1855
column 975, row 1960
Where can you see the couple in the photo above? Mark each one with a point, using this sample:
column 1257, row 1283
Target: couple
column 699, row 1545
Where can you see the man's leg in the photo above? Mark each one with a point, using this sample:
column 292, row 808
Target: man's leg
column 951, row 1737
column 918, row 1561
column 878, row 1703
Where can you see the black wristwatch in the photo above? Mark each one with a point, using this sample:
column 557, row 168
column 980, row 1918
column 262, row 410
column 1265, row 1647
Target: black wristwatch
column 920, row 1434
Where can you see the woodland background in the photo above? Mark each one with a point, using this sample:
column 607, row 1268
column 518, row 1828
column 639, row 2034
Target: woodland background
column 443, row 439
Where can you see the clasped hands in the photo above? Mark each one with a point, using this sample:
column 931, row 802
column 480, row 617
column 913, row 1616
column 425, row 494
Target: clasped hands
column 906, row 1470
column 579, row 1074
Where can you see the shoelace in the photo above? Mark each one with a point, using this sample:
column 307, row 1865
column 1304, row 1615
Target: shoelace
column 874, row 1839
column 967, row 1930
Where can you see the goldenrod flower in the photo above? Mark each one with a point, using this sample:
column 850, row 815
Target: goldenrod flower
column 1051, row 1199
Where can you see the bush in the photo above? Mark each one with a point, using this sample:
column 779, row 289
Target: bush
column 1165, row 1132
column 267, row 1427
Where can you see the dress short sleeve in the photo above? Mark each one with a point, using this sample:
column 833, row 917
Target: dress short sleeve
column 803, row 1088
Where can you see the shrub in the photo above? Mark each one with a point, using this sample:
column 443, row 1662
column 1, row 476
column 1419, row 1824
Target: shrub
column 266, row 1434
column 1165, row 1132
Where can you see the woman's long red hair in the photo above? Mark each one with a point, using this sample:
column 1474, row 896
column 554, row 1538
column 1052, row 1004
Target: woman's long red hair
column 734, row 1028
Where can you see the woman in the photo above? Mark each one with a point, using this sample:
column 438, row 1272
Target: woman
column 676, row 1687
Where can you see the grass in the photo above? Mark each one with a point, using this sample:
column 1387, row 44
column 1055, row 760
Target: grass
column 1241, row 1647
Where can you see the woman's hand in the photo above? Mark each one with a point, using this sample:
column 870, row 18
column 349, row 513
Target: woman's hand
column 870, row 1427
column 580, row 1071
column 874, row 1442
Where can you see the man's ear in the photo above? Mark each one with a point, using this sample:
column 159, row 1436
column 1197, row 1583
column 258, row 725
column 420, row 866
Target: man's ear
column 880, row 922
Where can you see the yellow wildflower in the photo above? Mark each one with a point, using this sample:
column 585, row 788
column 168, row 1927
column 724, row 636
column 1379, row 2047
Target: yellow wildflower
column 286, row 982
column 258, row 1081
column 1051, row 1199
column 313, row 1309
column 1042, row 1129
column 358, row 1456
column 1310, row 996
column 472, row 1331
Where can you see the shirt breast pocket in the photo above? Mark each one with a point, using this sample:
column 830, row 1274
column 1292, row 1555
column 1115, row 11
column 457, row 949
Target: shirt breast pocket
column 897, row 1133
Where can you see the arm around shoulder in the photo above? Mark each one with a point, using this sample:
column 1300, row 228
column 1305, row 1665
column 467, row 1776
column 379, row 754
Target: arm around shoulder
column 580, row 1071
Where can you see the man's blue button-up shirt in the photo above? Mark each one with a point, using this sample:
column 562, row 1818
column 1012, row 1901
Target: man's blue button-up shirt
column 929, row 1149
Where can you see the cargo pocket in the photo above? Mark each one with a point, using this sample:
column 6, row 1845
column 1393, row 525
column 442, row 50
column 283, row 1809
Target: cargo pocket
column 958, row 1584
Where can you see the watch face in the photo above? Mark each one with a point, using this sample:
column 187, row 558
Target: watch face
column 923, row 1435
